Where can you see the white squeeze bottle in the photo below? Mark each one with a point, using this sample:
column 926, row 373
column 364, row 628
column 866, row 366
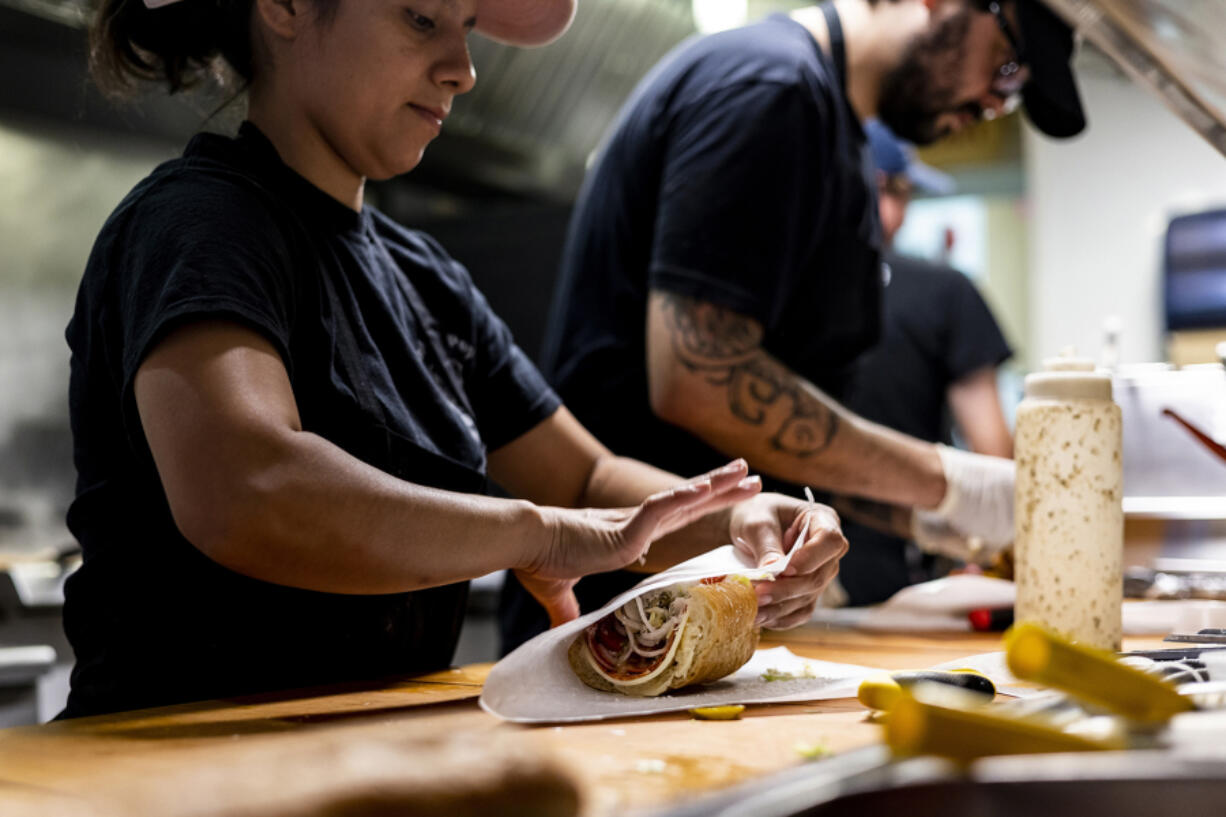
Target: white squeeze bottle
column 1069, row 543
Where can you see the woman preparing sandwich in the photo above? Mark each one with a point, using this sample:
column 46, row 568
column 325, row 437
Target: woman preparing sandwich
column 285, row 405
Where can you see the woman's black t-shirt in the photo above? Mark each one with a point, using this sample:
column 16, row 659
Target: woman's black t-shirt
column 393, row 355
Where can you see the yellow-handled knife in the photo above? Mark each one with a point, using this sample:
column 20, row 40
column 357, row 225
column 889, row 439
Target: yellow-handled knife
column 1038, row 655
column 883, row 691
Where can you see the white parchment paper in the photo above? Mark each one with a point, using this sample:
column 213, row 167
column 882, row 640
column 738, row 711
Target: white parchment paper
column 535, row 684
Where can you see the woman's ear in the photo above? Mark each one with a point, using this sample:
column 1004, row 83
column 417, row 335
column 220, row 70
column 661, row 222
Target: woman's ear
column 283, row 18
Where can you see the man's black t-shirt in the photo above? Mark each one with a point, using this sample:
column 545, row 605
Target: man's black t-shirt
column 937, row 330
column 737, row 174
column 392, row 354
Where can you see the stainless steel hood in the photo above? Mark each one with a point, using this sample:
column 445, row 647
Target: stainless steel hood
column 535, row 115
column 1175, row 48
column 527, row 128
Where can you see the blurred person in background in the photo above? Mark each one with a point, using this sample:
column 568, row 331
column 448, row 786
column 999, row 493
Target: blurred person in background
column 286, row 407
column 722, row 269
column 933, row 371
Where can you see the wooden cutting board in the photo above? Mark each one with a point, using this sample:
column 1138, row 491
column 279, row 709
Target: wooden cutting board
column 619, row 765
column 41, row 752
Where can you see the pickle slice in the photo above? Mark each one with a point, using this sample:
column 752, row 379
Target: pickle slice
column 718, row 713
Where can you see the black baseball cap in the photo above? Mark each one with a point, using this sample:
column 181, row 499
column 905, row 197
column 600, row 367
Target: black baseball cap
column 1050, row 96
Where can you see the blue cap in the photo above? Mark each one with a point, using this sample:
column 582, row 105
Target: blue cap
column 894, row 157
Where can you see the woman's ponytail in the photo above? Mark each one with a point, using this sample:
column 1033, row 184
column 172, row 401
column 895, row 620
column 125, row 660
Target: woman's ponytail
column 180, row 44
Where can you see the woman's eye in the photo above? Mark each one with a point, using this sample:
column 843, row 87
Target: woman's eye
column 419, row 21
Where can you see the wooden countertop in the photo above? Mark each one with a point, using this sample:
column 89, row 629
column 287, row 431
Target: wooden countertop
column 620, row 765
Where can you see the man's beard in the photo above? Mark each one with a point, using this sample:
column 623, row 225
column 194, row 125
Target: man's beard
column 922, row 86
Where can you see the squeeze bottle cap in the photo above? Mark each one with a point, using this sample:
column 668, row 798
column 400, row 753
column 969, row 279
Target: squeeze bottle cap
column 1068, row 377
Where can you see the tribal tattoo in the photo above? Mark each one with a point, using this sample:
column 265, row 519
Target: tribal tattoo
column 725, row 348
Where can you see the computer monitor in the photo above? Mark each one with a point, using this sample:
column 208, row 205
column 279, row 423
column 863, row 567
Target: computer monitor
column 1195, row 271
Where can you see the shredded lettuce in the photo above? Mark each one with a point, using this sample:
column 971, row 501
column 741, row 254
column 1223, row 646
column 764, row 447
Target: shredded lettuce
column 812, row 751
column 773, row 674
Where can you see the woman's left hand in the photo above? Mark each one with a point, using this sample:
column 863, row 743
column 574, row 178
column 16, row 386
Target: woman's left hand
column 765, row 528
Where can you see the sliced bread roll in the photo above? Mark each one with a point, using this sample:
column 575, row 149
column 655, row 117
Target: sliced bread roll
column 713, row 636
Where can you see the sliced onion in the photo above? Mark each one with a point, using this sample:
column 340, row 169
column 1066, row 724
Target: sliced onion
column 638, row 600
column 625, row 620
column 633, row 645
column 660, row 632
column 646, row 653
column 641, row 638
column 655, row 633
column 653, row 653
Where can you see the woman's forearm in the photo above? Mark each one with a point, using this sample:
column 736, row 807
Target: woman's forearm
column 305, row 513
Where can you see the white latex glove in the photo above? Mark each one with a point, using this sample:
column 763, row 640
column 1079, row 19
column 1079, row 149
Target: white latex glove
column 978, row 503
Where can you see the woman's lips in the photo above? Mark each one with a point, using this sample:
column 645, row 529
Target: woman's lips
column 432, row 115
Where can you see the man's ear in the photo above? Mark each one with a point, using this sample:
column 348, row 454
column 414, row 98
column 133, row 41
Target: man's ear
column 283, row 18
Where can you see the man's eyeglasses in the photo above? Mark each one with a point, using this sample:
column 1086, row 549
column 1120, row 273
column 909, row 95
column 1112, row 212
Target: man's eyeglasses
column 1012, row 76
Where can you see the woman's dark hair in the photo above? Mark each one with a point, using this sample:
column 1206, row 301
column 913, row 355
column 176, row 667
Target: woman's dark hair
column 179, row 44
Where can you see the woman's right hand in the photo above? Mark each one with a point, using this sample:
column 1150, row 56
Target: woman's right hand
column 594, row 540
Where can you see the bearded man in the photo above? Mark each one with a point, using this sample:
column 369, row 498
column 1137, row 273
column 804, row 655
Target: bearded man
column 723, row 264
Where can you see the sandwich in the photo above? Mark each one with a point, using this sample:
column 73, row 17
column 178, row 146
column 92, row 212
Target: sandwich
column 670, row 638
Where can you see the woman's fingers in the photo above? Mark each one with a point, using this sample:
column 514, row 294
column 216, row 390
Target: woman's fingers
column 675, row 508
column 726, row 476
column 557, row 596
column 824, row 542
column 756, row 531
column 729, row 473
column 813, row 564
column 728, row 485
column 784, row 619
column 648, row 521
column 745, row 489
column 781, row 598
column 806, row 586
column 771, row 614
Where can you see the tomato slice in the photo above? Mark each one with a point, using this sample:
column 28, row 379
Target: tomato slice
column 610, row 635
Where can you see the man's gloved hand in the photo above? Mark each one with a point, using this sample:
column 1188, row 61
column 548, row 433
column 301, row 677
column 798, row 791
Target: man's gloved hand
column 975, row 519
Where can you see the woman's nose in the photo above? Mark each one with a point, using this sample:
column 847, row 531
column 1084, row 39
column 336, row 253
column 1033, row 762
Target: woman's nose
column 455, row 70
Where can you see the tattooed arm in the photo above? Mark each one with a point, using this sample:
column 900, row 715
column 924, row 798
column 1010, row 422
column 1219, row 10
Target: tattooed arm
column 709, row 374
column 893, row 520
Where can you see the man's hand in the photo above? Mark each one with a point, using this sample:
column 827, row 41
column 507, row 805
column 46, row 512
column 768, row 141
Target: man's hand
column 978, row 502
column 765, row 528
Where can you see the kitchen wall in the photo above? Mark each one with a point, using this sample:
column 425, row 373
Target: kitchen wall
column 1005, row 285
column 58, row 183
column 1098, row 208
column 57, row 186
